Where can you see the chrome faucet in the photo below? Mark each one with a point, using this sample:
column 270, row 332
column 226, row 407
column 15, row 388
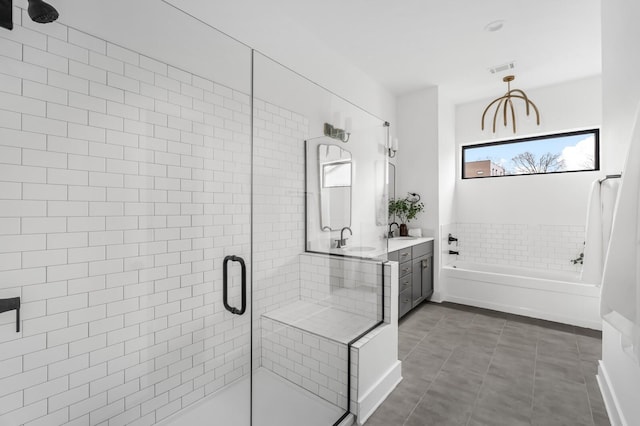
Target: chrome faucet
column 343, row 241
column 390, row 235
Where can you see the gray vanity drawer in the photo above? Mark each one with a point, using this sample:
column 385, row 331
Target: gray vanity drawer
column 423, row 249
column 405, row 269
column 404, row 283
column 404, row 254
column 405, row 302
column 394, row 255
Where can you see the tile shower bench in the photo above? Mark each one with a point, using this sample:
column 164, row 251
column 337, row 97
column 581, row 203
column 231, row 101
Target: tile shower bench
column 306, row 341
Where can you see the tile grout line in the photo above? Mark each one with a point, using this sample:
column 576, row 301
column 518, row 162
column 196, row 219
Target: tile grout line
column 535, row 368
column 593, row 421
column 484, row 376
column 437, row 374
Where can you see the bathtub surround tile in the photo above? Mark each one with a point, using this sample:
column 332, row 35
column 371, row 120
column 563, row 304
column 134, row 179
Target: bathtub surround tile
column 512, row 380
column 542, row 247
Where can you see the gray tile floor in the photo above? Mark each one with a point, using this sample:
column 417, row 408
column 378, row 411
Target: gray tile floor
column 469, row 366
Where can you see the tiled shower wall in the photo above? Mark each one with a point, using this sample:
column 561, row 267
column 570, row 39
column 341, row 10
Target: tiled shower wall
column 548, row 247
column 124, row 182
column 313, row 362
column 347, row 284
column 278, row 210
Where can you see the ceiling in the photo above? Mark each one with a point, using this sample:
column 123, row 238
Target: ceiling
column 412, row 44
column 407, row 45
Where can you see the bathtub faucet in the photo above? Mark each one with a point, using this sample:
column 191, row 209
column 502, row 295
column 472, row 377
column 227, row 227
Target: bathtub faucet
column 390, row 230
column 454, row 252
column 452, row 239
column 343, row 241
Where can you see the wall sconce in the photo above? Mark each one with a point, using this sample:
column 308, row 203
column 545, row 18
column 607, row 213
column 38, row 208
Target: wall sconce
column 392, row 148
column 335, row 133
column 505, row 102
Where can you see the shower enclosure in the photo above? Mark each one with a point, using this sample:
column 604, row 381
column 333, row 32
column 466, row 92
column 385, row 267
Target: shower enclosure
column 161, row 230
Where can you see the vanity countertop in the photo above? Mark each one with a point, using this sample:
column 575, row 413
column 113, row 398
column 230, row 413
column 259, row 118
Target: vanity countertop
column 399, row 243
column 393, row 244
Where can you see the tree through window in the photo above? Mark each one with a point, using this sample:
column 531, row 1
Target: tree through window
column 557, row 153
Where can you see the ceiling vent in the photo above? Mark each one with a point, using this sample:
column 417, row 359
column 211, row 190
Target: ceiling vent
column 502, row 68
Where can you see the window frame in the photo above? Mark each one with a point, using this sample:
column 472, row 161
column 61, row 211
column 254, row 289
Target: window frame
column 596, row 160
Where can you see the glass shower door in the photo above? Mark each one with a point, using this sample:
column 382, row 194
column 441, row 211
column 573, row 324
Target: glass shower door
column 193, row 146
column 308, row 307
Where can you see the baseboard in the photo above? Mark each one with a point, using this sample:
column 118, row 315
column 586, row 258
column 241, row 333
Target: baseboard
column 437, row 297
column 369, row 402
column 533, row 313
column 609, row 397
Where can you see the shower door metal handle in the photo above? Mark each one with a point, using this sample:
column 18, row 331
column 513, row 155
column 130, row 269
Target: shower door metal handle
column 228, row 307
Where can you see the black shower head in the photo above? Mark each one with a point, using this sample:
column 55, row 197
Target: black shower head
column 42, row 12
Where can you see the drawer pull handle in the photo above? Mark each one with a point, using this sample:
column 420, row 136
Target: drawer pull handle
column 404, row 254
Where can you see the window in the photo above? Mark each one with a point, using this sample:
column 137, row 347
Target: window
column 557, row 153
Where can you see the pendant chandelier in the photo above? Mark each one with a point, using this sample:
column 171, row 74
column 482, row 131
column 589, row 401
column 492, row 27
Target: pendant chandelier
column 505, row 103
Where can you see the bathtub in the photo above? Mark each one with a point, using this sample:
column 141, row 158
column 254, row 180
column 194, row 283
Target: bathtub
column 551, row 295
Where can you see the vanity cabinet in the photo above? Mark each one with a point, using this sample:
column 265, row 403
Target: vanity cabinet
column 415, row 276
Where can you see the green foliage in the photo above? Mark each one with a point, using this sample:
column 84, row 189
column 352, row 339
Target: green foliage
column 405, row 209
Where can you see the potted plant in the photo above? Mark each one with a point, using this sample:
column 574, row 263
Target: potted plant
column 405, row 209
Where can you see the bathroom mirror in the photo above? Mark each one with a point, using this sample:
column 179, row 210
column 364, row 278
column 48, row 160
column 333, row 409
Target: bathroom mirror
column 334, row 166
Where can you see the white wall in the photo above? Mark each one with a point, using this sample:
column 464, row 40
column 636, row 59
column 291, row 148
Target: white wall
column 156, row 29
column 559, row 199
column 159, row 30
column 366, row 145
column 426, row 163
column 621, row 86
column 417, row 160
column 621, row 94
column 446, row 157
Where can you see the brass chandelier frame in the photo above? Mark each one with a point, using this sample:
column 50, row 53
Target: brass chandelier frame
column 505, row 102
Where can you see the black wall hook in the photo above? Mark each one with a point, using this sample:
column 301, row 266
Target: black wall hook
column 12, row 304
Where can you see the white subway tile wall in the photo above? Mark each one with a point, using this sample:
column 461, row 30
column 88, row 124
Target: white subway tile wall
column 311, row 361
column 278, row 211
column 350, row 285
column 124, row 182
column 547, row 247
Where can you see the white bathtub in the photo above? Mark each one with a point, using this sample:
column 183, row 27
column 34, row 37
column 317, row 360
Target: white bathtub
column 551, row 295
